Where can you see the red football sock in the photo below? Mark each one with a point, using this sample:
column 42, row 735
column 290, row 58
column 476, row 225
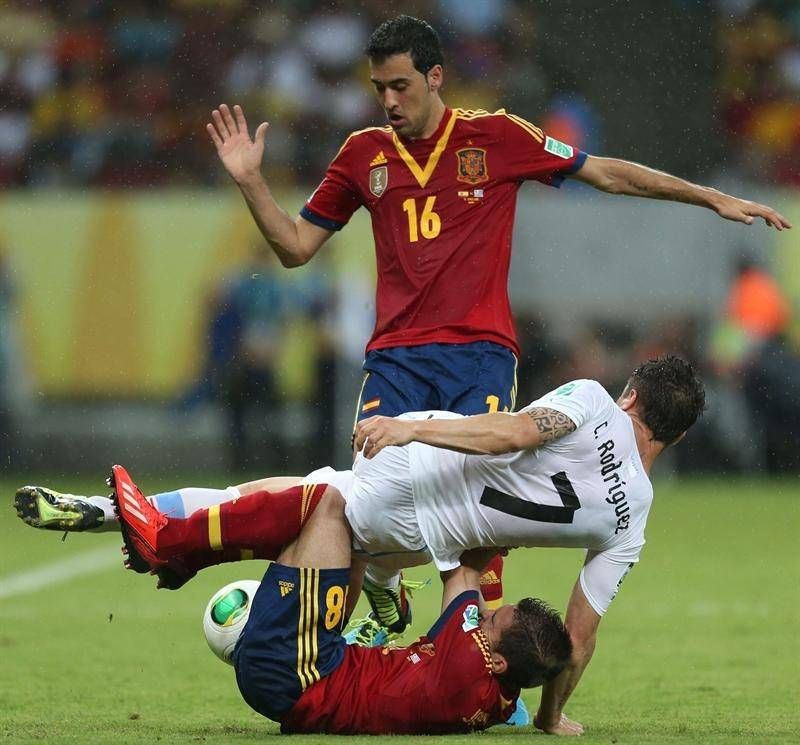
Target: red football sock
column 256, row 526
column 492, row 582
column 190, row 564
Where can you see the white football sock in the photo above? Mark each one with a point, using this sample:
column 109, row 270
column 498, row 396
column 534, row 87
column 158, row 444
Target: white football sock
column 386, row 578
column 110, row 521
column 183, row 502
column 179, row 503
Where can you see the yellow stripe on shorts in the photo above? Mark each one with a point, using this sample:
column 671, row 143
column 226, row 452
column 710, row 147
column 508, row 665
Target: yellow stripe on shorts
column 301, row 629
column 307, row 646
column 312, row 660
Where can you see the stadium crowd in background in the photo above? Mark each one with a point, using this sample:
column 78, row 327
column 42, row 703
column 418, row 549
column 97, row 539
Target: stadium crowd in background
column 110, row 94
column 102, row 94
column 759, row 44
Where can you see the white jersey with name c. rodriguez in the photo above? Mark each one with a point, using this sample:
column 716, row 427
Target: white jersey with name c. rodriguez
column 587, row 490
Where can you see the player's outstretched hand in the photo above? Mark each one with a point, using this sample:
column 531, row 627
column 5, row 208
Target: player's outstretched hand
column 240, row 155
column 565, row 727
column 378, row 432
column 742, row 210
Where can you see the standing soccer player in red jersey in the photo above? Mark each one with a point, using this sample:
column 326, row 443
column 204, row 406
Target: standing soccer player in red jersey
column 440, row 184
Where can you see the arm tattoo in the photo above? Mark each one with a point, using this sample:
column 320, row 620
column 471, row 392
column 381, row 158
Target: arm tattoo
column 551, row 424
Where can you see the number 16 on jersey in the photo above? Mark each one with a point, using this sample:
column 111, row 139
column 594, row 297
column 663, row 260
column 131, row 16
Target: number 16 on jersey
column 428, row 223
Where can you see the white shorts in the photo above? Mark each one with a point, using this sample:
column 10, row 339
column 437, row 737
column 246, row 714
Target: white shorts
column 380, row 508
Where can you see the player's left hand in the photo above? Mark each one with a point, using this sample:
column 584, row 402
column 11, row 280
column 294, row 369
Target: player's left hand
column 378, row 432
column 742, row 210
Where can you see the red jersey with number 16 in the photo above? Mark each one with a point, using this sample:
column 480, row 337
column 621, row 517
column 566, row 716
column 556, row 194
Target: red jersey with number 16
column 442, row 215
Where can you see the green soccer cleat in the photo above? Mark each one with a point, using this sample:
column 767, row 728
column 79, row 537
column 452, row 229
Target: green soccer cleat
column 390, row 606
column 367, row 632
column 390, row 615
column 45, row 508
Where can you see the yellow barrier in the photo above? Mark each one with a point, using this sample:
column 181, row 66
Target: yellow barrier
column 112, row 288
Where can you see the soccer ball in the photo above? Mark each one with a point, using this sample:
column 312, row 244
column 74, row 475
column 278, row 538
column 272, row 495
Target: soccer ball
column 226, row 614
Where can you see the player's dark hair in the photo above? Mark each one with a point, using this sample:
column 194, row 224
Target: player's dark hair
column 536, row 646
column 671, row 396
column 406, row 35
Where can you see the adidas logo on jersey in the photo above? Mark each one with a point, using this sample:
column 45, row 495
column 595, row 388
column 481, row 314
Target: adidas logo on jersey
column 285, row 587
column 378, row 160
column 489, row 578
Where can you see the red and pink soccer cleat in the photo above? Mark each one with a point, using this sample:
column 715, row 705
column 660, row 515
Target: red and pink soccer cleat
column 139, row 522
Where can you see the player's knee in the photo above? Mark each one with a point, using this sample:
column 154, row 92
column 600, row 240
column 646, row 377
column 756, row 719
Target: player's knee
column 327, row 510
column 332, row 503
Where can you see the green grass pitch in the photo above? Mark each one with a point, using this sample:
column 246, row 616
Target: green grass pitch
column 701, row 646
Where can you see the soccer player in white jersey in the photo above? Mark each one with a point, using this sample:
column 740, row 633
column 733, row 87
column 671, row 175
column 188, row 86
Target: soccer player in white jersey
column 570, row 469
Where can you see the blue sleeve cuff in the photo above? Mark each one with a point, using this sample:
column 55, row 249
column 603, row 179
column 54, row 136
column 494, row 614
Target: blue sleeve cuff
column 319, row 220
column 576, row 166
column 456, row 603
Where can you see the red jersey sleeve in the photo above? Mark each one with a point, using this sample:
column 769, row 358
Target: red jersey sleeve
column 530, row 153
column 336, row 199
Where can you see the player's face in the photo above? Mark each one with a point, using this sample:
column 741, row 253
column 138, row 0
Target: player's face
column 407, row 96
column 494, row 623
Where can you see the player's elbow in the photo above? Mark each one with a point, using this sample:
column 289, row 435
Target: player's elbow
column 296, row 258
column 523, row 434
column 292, row 262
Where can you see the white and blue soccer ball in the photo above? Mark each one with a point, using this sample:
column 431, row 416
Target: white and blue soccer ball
column 226, row 614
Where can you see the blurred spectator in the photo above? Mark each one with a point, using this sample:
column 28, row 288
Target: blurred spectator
column 755, row 311
column 772, row 390
column 759, row 372
column 760, row 87
column 770, row 368
column 269, row 355
column 248, row 313
column 756, row 303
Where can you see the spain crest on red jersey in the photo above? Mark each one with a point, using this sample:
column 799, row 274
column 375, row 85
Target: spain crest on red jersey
column 472, row 165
